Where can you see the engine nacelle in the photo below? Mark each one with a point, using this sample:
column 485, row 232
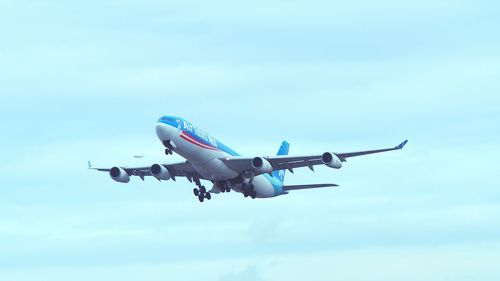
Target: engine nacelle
column 160, row 172
column 119, row 175
column 331, row 160
column 261, row 165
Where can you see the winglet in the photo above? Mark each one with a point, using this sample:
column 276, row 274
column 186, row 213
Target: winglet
column 402, row 144
column 90, row 165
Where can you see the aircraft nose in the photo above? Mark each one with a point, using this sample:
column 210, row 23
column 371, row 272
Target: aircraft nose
column 160, row 131
column 164, row 131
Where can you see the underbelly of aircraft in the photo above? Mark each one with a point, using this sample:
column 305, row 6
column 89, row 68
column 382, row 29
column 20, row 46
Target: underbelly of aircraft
column 261, row 185
column 216, row 170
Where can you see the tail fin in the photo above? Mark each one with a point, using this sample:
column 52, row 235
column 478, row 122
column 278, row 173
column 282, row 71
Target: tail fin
column 284, row 148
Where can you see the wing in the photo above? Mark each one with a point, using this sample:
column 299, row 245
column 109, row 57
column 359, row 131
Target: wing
column 307, row 186
column 343, row 156
column 285, row 162
column 181, row 169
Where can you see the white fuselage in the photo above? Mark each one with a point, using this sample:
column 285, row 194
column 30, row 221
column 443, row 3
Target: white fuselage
column 205, row 159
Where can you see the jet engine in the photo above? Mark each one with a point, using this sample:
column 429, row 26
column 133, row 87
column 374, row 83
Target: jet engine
column 261, row 165
column 160, row 172
column 119, row 175
column 331, row 160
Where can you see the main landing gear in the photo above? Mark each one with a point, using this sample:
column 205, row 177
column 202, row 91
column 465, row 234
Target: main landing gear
column 224, row 188
column 201, row 192
column 249, row 190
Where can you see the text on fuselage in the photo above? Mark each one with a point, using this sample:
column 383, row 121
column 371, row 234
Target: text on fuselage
column 186, row 126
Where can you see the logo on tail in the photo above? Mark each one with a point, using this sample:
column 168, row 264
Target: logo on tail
column 284, row 148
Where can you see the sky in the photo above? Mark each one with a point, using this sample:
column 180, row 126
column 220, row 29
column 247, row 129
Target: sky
column 87, row 80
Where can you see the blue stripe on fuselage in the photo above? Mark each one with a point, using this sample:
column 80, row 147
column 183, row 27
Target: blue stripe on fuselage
column 188, row 128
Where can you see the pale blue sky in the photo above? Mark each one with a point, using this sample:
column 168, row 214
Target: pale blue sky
column 87, row 81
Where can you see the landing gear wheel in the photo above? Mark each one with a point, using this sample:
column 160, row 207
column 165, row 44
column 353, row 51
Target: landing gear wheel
column 245, row 193
column 203, row 190
column 201, row 197
column 168, row 151
column 196, row 192
column 228, row 189
column 208, row 196
column 253, row 194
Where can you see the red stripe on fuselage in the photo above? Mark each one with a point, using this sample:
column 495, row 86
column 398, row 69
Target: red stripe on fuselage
column 196, row 142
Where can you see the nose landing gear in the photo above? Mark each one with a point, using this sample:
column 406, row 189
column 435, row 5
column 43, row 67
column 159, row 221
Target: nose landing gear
column 169, row 147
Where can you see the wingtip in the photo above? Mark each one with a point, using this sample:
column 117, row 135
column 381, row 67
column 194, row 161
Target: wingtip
column 402, row 144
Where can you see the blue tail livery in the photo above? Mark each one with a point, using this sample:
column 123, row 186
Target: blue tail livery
column 284, row 149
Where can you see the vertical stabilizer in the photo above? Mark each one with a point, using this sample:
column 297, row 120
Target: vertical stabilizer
column 284, row 148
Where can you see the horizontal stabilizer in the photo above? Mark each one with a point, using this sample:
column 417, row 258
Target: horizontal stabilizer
column 307, row 186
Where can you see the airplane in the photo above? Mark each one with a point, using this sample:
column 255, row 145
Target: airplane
column 210, row 160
